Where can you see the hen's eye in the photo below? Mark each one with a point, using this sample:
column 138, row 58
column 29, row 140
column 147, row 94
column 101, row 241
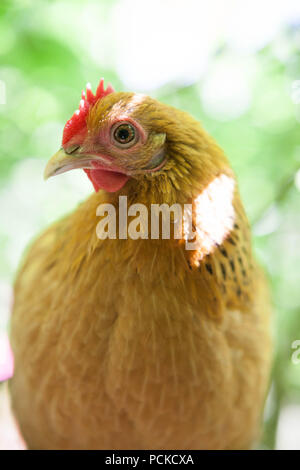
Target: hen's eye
column 124, row 135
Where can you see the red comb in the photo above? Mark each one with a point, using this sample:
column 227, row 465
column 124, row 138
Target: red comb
column 78, row 120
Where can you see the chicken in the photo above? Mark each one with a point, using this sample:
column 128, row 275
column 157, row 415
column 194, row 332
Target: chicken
column 138, row 342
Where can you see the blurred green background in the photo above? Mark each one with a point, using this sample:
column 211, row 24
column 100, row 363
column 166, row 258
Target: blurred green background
column 234, row 65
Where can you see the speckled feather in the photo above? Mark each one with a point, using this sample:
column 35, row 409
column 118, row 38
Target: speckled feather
column 126, row 344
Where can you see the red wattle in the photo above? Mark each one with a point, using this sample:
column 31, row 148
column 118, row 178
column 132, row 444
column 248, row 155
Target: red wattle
column 110, row 181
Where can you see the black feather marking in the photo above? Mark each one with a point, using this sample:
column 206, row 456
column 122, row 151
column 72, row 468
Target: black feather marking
column 223, row 269
column 223, row 251
column 209, row 268
column 230, row 240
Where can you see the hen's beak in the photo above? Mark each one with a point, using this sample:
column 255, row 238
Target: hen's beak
column 62, row 162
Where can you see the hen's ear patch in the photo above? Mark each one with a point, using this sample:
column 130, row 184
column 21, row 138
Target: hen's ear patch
column 78, row 120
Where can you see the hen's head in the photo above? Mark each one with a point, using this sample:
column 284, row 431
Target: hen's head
column 116, row 137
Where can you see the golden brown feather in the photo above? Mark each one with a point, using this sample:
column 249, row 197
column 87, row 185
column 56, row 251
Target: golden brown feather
column 129, row 344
